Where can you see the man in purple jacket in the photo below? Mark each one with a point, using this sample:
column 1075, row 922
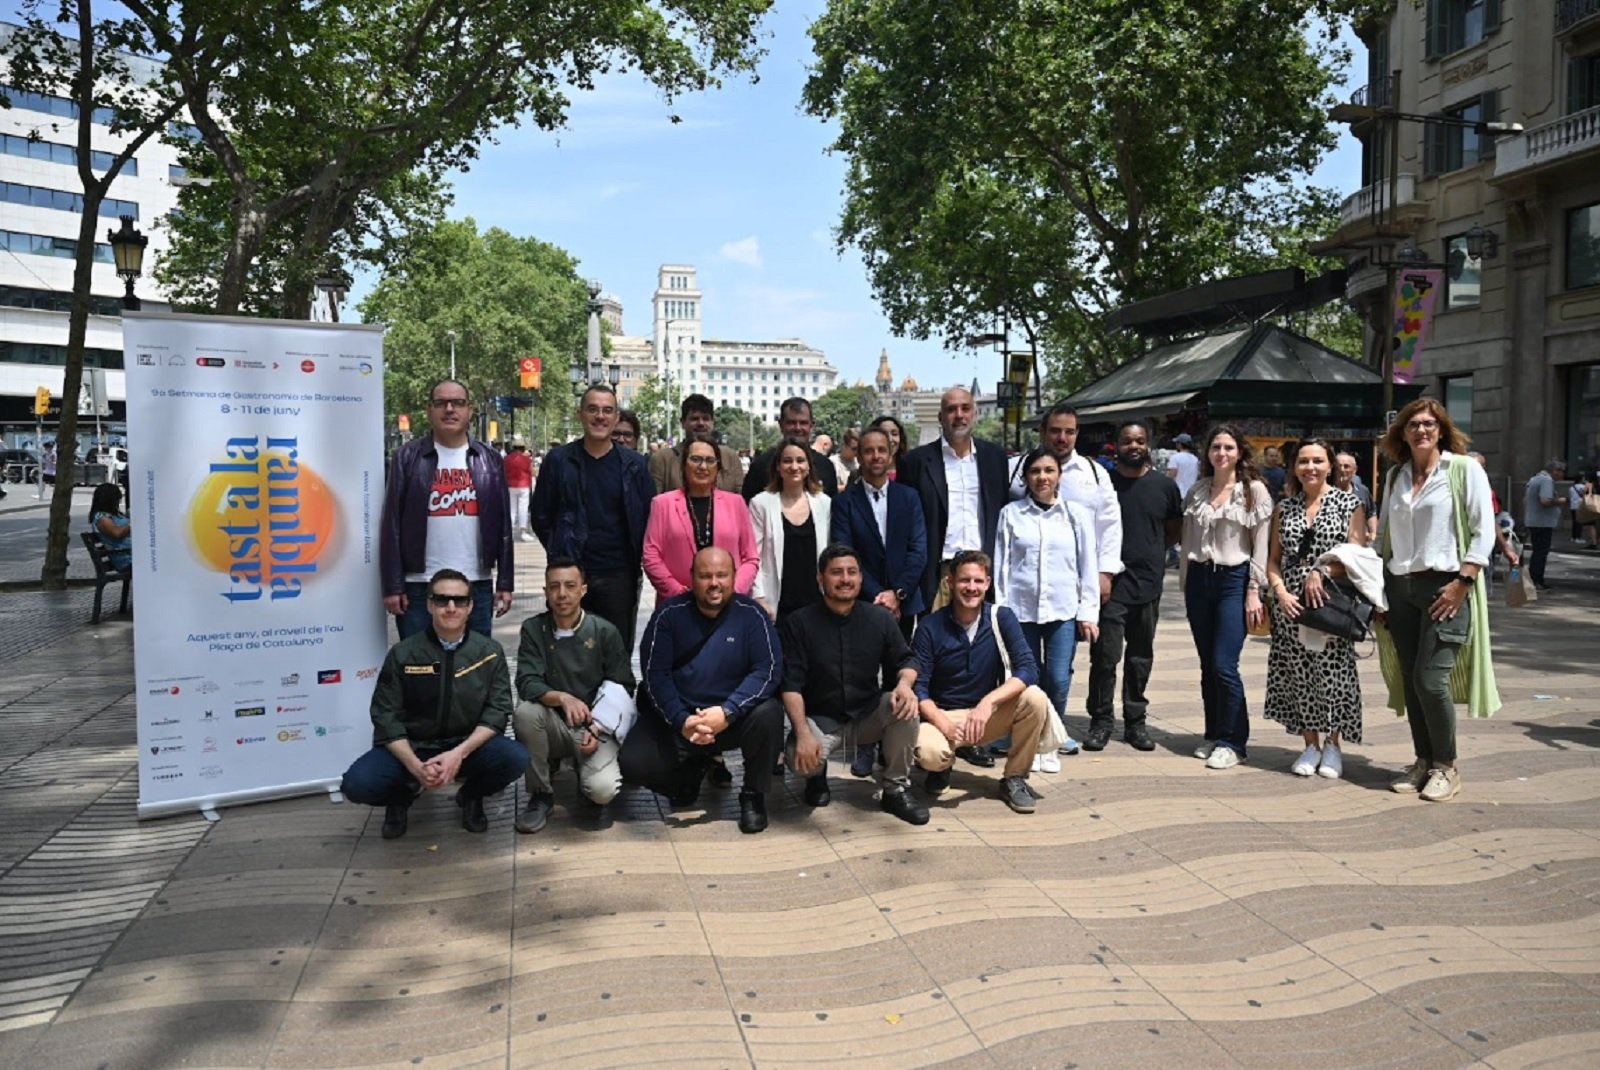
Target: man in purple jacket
column 446, row 506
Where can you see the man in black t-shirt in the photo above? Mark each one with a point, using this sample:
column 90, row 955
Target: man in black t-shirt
column 1152, row 519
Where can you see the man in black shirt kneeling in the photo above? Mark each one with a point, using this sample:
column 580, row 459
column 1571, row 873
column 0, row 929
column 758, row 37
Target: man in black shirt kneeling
column 837, row 655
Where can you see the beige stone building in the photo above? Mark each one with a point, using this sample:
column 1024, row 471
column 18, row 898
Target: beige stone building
column 1513, row 218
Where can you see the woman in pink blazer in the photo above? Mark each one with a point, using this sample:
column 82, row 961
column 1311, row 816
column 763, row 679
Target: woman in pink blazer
column 684, row 522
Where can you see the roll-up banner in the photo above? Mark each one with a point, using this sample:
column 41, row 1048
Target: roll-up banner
column 256, row 485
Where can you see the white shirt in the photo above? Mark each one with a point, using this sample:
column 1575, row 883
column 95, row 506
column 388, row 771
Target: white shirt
column 1184, row 468
column 878, row 498
column 964, row 526
column 452, row 519
column 1086, row 482
column 1045, row 562
column 1421, row 526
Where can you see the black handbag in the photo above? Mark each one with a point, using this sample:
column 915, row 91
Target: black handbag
column 1343, row 614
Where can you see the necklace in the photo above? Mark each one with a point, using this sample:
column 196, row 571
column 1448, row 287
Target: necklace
column 702, row 520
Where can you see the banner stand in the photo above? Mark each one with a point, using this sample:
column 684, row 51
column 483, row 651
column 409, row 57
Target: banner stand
column 256, row 488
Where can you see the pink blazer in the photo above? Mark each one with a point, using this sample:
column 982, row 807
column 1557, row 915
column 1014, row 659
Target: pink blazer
column 669, row 541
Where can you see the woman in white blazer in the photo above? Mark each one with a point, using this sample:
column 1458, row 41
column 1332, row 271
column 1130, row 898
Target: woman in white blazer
column 790, row 519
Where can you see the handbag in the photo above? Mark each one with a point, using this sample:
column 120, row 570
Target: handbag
column 1589, row 508
column 1343, row 614
column 1519, row 589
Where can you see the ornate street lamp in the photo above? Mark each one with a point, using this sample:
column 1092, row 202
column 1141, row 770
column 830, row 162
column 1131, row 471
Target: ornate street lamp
column 575, row 377
column 1482, row 242
column 127, row 249
column 614, row 374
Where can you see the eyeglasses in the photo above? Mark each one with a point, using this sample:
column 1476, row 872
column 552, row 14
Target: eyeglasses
column 1422, row 425
column 460, row 601
column 450, row 403
column 703, row 462
column 629, row 435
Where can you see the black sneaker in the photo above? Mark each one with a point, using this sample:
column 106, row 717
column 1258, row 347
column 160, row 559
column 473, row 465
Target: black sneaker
column 395, row 818
column 1135, row 736
column 1098, row 737
column 937, row 782
column 752, row 812
column 898, row 801
column 817, row 793
column 1015, row 794
column 536, row 814
column 473, row 818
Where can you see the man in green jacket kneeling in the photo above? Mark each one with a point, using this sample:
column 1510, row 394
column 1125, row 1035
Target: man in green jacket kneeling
column 439, row 713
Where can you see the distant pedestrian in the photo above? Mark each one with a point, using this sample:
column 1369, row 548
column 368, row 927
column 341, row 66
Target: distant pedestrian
column 519, row 482
column 1272, row 471
column 47, row 468
column 1541, row 513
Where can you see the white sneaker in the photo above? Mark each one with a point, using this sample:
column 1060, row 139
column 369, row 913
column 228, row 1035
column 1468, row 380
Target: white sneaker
column 1222, row 758
column 1204, row 750
column 1035, row 767
column 1306, row 764
column 1069, row 747
column 1047, row 763
column 1332, row 764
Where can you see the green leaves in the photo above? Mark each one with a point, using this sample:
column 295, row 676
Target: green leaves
column 1048, row 161
column 504, row 297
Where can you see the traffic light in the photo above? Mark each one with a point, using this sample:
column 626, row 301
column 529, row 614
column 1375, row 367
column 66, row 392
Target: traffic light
column 41, row 401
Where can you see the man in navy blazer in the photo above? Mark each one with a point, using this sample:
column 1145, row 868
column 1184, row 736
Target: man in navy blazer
column 883, row 522
column 963, row 484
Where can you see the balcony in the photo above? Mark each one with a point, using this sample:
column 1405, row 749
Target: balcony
column 1364, row 204
column 1571, row 12
column 1570, row 139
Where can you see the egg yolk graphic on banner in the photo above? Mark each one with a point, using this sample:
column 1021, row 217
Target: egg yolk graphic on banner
column 263, row 518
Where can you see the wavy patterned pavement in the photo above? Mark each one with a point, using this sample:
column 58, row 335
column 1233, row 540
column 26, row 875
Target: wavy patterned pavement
column 1151, row 913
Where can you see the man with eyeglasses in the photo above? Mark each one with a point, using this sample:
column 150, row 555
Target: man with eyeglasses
column 446, row 505
column 626, row 433
column 591, row 504
column 439, row 714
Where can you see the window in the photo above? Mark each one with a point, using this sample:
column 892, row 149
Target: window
column 63, row 200
column 51, row 105
column 1457, row 24
column 44, row 353
column 1583, row 417
column 1583, row 83
column 1454, row 145
column 1583, row 246
column 44, row 245
column 1458, row 401
column 54, row 152
column 1463, row 275
column 56, row 301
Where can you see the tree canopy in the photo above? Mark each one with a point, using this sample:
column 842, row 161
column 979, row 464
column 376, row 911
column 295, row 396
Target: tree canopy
column 844, row 407
column 505, row 297
column 1040, row 164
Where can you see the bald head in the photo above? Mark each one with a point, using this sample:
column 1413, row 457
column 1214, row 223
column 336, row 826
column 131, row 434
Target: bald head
column 956, row 415
column 712, row 580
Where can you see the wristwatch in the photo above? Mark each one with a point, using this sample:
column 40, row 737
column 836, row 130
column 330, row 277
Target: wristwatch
column 899, row 594
column 1462, row 577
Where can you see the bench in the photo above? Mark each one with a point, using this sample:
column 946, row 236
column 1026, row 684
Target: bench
column 105, row 573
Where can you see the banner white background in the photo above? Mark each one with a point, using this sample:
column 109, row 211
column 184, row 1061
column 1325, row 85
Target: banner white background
column 256, row 485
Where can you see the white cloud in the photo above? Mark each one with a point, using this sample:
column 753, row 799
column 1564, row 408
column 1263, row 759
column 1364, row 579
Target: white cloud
column 746, row 251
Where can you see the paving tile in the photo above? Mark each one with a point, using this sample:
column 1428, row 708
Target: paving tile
column 1371, row 1033
column 843, row 977
column 192, row 1033
column 689, row 1038
column 1485, row 1013
column 1548, row 1053
column 993, row 948
column 1112, row 1045
column 433, row 1025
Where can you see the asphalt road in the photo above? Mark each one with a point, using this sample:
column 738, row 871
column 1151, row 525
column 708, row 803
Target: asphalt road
column 22, row 538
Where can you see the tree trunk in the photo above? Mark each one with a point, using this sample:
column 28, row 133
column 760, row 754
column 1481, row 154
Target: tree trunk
column 249, row 230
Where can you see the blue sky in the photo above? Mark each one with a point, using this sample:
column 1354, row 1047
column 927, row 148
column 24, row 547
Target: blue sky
column 742, row 189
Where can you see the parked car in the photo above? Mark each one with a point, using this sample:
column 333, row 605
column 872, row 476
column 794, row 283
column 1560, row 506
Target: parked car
column 19, row 466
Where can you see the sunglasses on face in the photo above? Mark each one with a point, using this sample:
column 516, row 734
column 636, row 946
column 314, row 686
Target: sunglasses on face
column 459, row 600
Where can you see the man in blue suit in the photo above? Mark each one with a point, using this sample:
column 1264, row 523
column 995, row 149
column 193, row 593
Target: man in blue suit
column 883, row 522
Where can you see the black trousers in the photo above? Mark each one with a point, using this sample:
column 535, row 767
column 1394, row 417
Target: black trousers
column 614, row 597
column 659, row 758
column 1539, row 539
column 1122, row 626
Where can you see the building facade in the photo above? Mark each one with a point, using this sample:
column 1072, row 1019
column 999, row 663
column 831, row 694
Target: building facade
column 40, row 211
column 1510, row 218
column 752, row 375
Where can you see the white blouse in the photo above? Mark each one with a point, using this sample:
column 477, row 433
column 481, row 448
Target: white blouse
column 1045, row 565
column 1238, row 532
column 1421, row 525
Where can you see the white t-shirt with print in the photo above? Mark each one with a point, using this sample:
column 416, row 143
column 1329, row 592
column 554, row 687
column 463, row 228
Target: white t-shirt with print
column 452, row 519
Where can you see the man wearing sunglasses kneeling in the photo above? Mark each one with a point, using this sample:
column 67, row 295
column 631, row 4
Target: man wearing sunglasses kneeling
column 439, row 714
column 576, row 692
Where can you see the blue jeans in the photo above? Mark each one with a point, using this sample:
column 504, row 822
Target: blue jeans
column 378, row 779
column 1214, row 595
column 416, row 618
column 1054, row 644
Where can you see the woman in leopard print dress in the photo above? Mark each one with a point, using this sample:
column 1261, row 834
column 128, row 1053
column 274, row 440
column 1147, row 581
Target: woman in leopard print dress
column 1315, row 694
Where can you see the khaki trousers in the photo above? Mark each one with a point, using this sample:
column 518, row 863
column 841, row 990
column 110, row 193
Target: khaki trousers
column 1022, row 717
column 547, row 735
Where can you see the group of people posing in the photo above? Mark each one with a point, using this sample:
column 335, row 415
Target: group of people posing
column 927, row 610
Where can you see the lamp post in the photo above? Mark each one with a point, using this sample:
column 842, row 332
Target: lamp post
column 127, row 250
column 592, row 344
column 452, row 336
